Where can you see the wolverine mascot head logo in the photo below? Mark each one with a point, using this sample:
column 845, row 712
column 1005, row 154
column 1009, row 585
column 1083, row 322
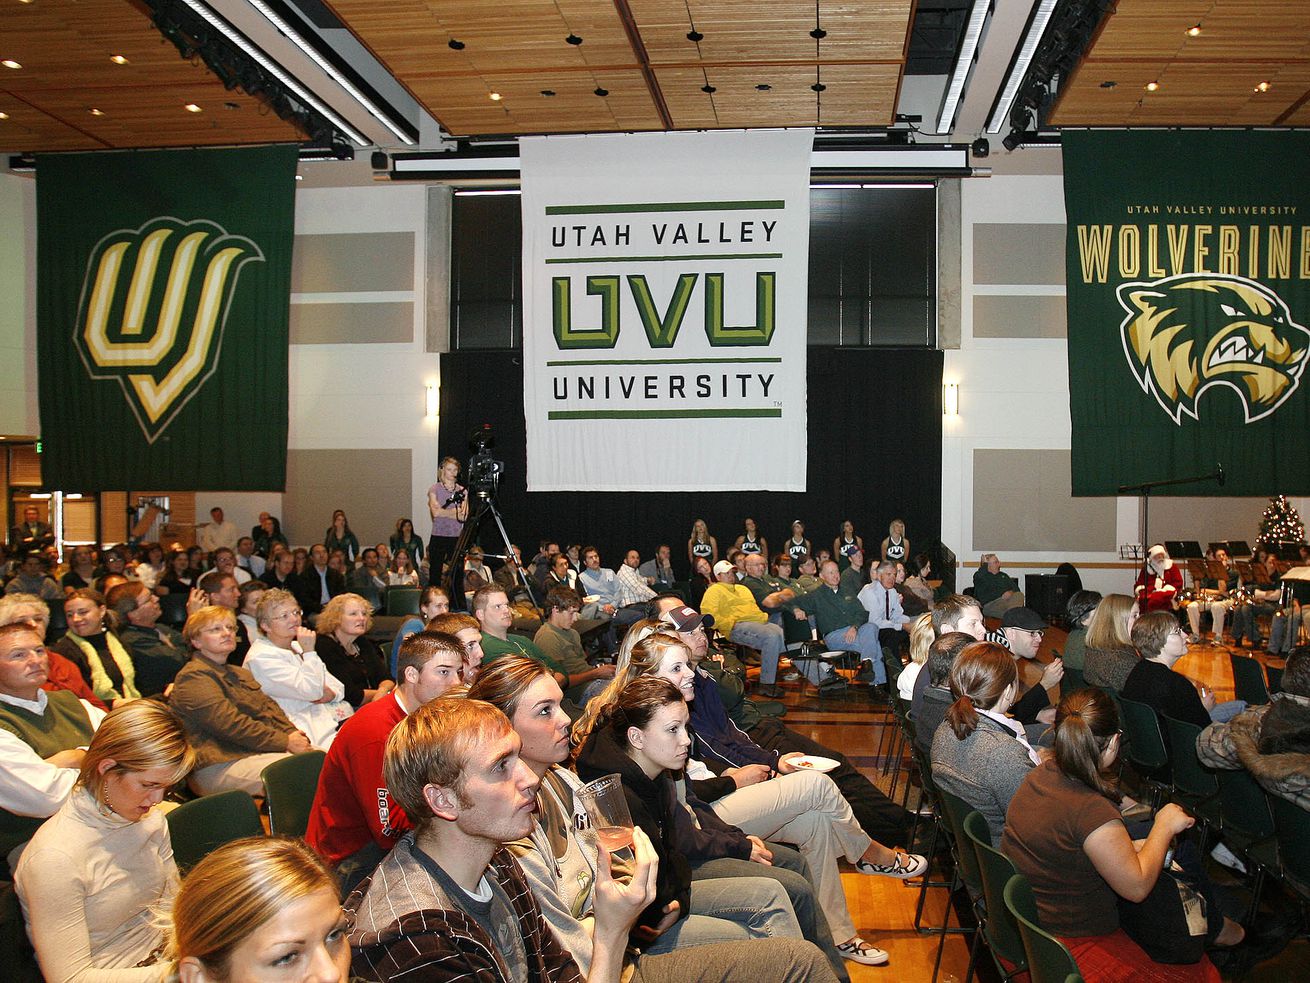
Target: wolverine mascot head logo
column 1184, row 334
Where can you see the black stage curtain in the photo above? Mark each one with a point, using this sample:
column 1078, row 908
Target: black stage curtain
column 875, row 454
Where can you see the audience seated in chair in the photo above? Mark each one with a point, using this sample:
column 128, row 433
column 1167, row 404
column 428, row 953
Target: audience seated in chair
column 236, row 729
column 42, row 735
column 157, row 651
column 996, row 591
column 369, row 580
column 843, row 625
column 60, row 672
column 1160, row 643
column 739, row 616
column 560, row 859
column 803, row 807
column 287, row 668
column 1110, row 656
column 347, row 651
column 935, row 698
column 979, row 754
column 562, row 644
column 90, row 645
column 221, row 590
column 1271, row 741
column 774, row 594
column 317, row 583
column 768, row 740
column 95, row 875
column 453, row 766
column 354, row 820
column 1021, row 633
column 431, row 602
column 1064, row 832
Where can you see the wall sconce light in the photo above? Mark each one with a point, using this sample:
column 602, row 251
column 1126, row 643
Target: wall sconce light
column 951, row 399
column 430, row 401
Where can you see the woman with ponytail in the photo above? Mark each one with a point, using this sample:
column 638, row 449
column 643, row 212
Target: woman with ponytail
column 1065, row 834
column 978, row 753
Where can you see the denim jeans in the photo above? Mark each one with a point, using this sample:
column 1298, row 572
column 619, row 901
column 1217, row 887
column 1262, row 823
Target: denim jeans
column 730, row 909
column 866, row 643
column 768, row 639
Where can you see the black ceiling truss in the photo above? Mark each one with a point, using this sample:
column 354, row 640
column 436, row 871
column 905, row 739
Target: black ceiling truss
column 195, row 37
column 1073, row 27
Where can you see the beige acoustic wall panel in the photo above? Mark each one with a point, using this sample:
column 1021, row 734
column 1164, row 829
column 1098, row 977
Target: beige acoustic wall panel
column 1018, row 253
column 1021, row 503
column 371, row 486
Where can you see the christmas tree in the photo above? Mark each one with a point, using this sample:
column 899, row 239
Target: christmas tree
column 1280, row 523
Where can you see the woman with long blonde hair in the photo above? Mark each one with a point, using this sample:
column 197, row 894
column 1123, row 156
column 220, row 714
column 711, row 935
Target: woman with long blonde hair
column 1109, row 654
column 91, row 879
column 921, row 638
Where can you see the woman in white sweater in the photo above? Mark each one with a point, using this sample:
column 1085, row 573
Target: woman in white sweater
column 96, row 876
column 287, row 668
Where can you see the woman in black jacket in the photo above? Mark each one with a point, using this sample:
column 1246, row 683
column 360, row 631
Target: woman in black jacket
column 643, row 738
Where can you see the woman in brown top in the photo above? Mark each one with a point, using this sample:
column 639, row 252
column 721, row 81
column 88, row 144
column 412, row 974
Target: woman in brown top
column 1065, row 834
column 1109, row 655
column 236, row 729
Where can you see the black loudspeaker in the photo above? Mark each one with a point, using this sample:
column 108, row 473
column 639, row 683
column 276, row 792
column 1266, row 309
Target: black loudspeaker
column 1047, row 594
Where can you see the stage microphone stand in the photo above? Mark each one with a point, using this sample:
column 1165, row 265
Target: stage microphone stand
column 1145, row 489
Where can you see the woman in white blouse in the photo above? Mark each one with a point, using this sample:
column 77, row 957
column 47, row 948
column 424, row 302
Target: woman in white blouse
column 286, row 667
column 96, row 877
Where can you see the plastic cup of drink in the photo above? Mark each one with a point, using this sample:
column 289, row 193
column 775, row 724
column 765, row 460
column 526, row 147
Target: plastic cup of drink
column 608, row 811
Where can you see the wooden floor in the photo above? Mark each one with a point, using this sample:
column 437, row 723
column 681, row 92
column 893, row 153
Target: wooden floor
column 883, row 909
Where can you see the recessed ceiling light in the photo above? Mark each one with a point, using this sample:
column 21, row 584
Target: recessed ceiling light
column 10, row 63
column 573, row 39
column 818, row 87
column 601, row 92
column 1152, row 86
column 300, row 177
column 191, row 107
column 708, row 89
column 494, row 96
column 695, row 36
column 231, row 105
column 4, row 115
column 1194, row 30
column 1109, row 84
column 1262, row 87
column 547, row 92
column 763, row 87
column 118, row 59
column 455, row 45
column 96, row 112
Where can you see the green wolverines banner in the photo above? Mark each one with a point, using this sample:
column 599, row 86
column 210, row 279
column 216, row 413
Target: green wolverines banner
column 1189, row 309
column 163, row 295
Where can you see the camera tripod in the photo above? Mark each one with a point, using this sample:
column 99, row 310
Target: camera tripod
column 453, row 579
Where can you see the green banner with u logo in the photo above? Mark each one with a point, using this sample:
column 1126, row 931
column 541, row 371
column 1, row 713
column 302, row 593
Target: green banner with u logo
column 163, row 296
column 1188, row 283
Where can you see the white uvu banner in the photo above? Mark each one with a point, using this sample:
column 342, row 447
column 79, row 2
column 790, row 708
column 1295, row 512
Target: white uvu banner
column 664, row 310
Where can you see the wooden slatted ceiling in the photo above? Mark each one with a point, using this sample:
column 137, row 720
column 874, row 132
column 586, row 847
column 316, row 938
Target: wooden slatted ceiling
column 1206, row 80
column 65, row 48
column 517, row 49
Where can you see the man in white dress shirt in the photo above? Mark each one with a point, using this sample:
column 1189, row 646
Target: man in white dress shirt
column 883, row 603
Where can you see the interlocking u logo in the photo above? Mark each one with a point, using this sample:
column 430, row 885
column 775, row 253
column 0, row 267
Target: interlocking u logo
column 154, row 303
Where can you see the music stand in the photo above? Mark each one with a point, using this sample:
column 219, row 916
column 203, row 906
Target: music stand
column 1237, row 547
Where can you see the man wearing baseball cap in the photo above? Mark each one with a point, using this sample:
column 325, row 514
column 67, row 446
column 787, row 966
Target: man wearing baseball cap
column 733, row 608
column 1021, row 632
